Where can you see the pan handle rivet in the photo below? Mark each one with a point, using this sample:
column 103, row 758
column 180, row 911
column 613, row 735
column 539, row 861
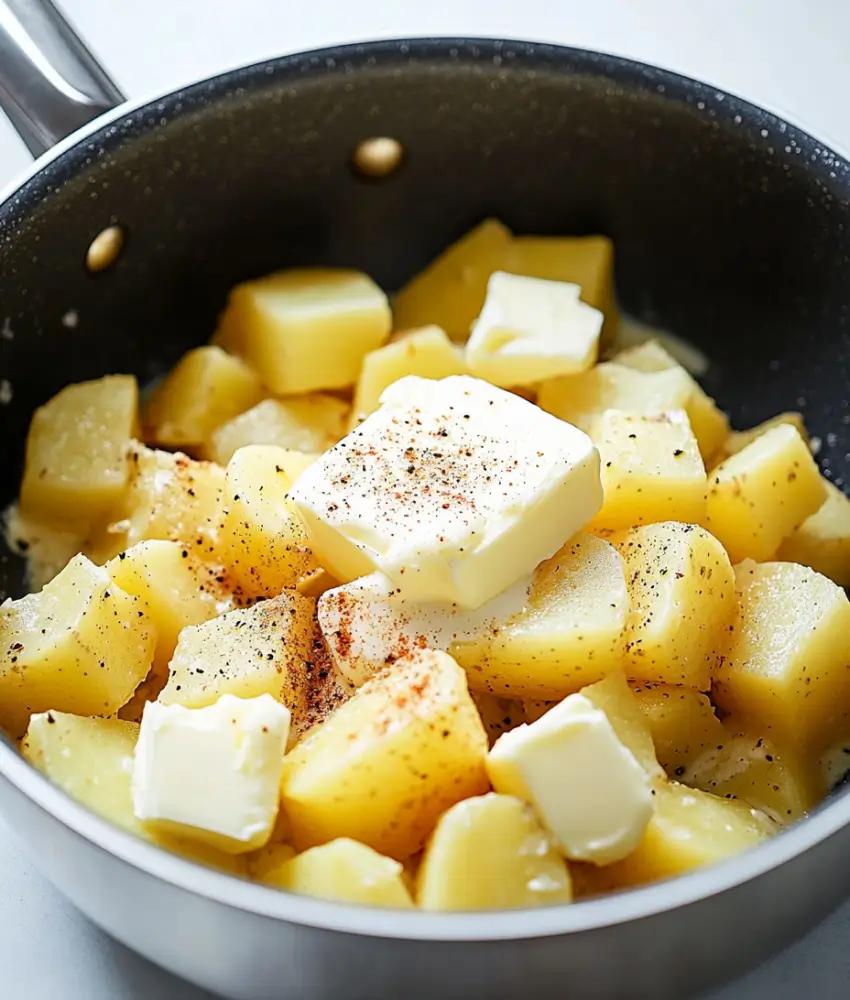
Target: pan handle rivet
column 104, row 249
column 378, row 157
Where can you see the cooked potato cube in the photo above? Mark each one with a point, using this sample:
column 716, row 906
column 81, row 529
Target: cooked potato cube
column 246, row 653
column 266, row 864
column 822, row 541
column 499, row 715
column 315, row 583
column 491, row 853
column 148, row 690
column 682, row 590
column 786, row 662
column 77, row 464
column 92, row 761
column 762, row 494
column 262, row 539
column 311, row 423
column 651, row 470
column 306, row 328
column 737, row 440
column 388, row 762
column 48, row 549
column 450, row 291
column 205, row 389
column 582, row 399
column 682, row 723
column 176, row 589
column 427, row 352
column 568, row 634
column 709, row 424
column 80, row 645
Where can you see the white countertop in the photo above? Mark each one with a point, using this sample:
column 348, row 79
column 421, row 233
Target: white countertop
column 790, row 55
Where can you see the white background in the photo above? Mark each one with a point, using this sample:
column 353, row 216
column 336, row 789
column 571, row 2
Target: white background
column 790, row 55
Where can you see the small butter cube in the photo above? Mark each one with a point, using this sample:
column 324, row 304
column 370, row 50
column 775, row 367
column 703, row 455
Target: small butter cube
column 586, row 786
column 531, row 329
column 212, row 774
column 453, row 488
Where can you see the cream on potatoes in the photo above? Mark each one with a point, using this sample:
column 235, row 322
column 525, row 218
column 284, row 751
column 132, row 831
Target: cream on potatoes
column 454, row 489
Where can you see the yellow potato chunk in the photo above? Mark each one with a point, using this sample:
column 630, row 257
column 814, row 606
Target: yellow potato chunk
column 306, row 328
column 266, row 864
column 449, row 293
column 737, row 440
column 491, row 853
column 77, row 464
column 80, row 645
column 786, row 664
column 347, row 872
column 427, row 352
column 709, row 424
column 568, row 634
column 246, row 653
column 92, row 761
column 498, row 714
column 762, row 494
column 388, row 762
column 682, row 590
column 315, row 583
column 175, row 588
column 651, row 470
column 822, row 541
column 205, row 389
column 311, row 423
column 582, row 399
column 683, row 725
column 262, row 539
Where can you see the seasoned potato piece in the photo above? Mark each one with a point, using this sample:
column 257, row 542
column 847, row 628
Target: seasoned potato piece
column 738, row 440
column 682, row 590
column 490, row 852
column 92, row 761
column 315, row 583
column 176, row 589
column 262, row 539
column 306, row 328
column 450, row 291
column 427, row 352
column 499, row 715
column 709, row 424
column 77, row 464
column 682, row 723
column 651, row 470
column 582, row 399
column 266, row 864
column 205, row 389
column 148, row 690
column 786, row 664
column 388, row 762
column 246, row 653
column 80, row 645
column 822, row 541
column 47, row 548
column 568, row 634
column 762, row 494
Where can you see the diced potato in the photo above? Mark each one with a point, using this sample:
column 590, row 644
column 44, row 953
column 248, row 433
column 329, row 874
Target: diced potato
column 311, row 423
column 266, row 864
column 786, row 664
column 762, row 494
column 450, row 291
column 427, row 352
column 568, row 634
column 307, row 328
column 175, row 588
column 682, row 590
column 498, row 714
column 246, row 653
column 80, row 645
column 738, row 440
column 651, row 470
column 77, row 464
column 822, row 541
column 683, row 725
column 388, row 762
column 47, row 548
column 205, row 389
column 92, row 761
column 534, row 708
column 315, row 583
column 710, row 424
column 262, row 539
column 148, row 690
column 490, row 852
column 582, row 399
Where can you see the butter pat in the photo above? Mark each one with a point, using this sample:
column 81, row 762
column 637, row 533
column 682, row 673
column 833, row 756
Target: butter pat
column 454, row 489
column 587, row 788
column 212, row 774
column 530, row 330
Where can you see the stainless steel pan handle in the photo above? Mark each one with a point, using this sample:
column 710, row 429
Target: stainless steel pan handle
column 50, row 84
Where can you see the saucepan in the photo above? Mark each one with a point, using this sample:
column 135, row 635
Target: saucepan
column 731, row 228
